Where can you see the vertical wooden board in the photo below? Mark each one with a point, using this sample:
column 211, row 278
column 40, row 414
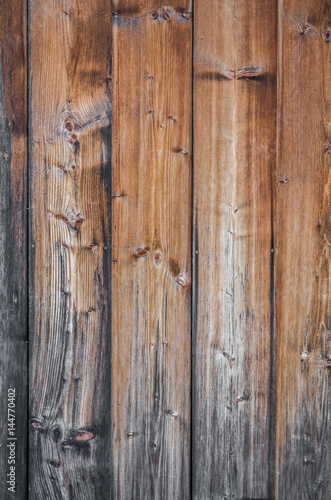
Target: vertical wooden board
column 70, row 249
column 13, row 240
column 303, row 250
column 235, row 46
column 151, row 231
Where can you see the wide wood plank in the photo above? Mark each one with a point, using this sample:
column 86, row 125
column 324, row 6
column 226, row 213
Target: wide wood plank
column 13, row 249
column 234, row 169
column 303, row 251
column 70, row 249
column 151, row 229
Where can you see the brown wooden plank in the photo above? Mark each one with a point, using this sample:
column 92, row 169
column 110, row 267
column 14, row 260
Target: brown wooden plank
column 303, row 250
column 234, row 168
column 13, row 241
column 71, row 255
column 151, row 230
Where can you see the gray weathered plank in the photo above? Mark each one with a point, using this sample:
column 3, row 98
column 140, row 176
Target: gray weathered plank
column 13, row 251
column 70, row 261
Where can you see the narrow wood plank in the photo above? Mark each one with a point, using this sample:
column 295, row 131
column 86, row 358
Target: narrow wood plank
column 234, row 167
column 13, row 249
column 303, row 250
column 70, row 258
column 151, row 229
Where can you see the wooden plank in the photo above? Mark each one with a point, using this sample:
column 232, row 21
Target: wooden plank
column 303, row 250
column 13, row 241
column 234, row 168
column 71, row 249
column 151, row 230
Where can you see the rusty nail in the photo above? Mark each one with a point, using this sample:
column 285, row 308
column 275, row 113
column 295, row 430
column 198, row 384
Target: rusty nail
column 303, row 28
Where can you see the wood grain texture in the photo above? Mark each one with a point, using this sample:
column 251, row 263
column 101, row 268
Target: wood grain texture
column 151, row 230
column 70, row 249
column 115, row 358
column 234, row 169
column 13, row 240
column 303, row 251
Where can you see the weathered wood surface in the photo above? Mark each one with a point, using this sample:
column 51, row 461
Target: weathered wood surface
column 130, row 398
column 234, row 170
column 70, row 249
column 303, row 250
column 13, row 237
column 151, row 230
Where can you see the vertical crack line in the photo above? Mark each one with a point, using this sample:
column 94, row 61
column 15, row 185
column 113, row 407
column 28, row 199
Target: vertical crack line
column 110, row 286
column 273, row 482
column 28, row 228
column 194, row 257
column 193, row 263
